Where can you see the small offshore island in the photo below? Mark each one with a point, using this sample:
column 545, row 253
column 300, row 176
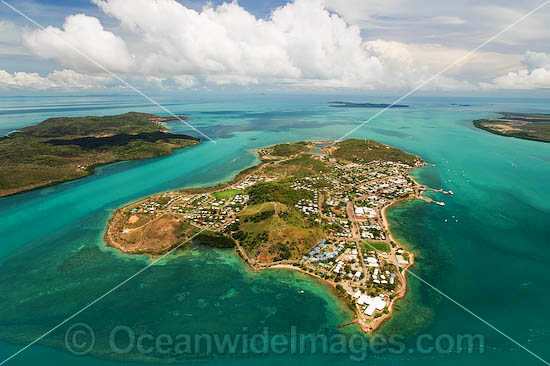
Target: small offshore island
column 67, row 148
column 315, row 207
column 340, row 104
column 527, row 126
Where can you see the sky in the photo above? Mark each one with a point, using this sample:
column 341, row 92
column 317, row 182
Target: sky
column 376, row 46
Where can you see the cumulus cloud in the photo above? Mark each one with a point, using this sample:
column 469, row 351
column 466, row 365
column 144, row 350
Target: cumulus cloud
column 301, row 44
column 536, row 60
column 65, row 79
column 85, row 34
column 535, row 74
column 407, row 65
column 10, row 39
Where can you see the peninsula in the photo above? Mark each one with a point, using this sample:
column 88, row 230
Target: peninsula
column 315, row 207
column 527, row 126
column 68, row 148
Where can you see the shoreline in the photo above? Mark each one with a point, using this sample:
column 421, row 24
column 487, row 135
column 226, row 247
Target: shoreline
column 343, row 298
column 91, row 170
column 95, row 159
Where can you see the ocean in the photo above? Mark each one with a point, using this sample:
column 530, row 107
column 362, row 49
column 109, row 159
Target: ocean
column 482, row 259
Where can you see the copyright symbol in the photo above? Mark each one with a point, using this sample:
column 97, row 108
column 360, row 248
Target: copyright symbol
column 79, row 339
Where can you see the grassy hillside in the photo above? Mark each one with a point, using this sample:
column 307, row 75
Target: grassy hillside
column 62, row 149
column 366, row 151
column 274, row 231
column 301, row 166
column 290, row 149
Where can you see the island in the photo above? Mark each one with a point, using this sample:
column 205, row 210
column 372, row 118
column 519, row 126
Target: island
column 315, row 207
column 527, row 126
column 365, row 105
column 67, row 148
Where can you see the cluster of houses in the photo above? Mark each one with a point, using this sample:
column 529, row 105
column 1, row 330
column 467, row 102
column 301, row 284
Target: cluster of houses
column 147, row 207
column 323, row 252
column 204, row 209
column 198, row 200
column 251, row 180
column 307, row 207
column 337, row 208
column 206, row 217
column 383, row 278
column 240, row 199
column 339, row 228
column 379, row 180
column 371, row 230
column 364, row 213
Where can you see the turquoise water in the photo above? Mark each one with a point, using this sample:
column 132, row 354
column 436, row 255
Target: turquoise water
column 487, row 248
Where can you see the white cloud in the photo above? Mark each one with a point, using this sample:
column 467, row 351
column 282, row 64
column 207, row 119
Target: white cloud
column 452, row 24
column 184, row 81
column 535, row 60
column 406, row 65
column 23, row 79
column 85, row 34
column 536, row 74
column 10, row 39
column 301, row 44
column 447, row 19
column 65, row 79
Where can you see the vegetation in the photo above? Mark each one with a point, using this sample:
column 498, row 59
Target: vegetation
column 129, row 123
column 62, row 149
column 276, row 192
column 214, row 239
column 228, row 194
column 527, row 126
column 366, row 151
column 273, row 231
column 380, row 246
column 300, row 166
column 289, row 149
column 264, row 215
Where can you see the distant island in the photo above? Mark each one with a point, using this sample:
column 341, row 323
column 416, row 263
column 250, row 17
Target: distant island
column 67, row 148
column 315, row 207
column 365, row 105
column 527, row 126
